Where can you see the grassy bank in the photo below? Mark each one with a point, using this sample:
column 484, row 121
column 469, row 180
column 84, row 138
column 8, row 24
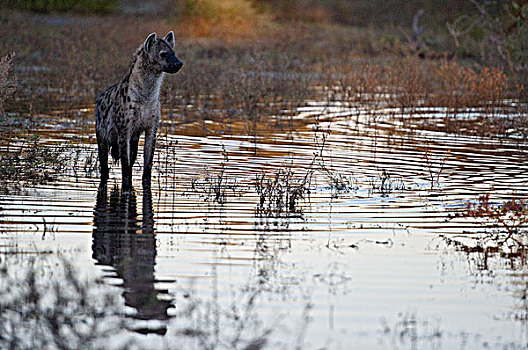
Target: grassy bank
column 241, row 73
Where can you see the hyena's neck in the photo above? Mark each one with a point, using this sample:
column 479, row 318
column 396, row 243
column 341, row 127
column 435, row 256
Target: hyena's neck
column 144, row 82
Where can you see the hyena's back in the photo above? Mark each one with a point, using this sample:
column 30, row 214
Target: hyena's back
column 108, row 112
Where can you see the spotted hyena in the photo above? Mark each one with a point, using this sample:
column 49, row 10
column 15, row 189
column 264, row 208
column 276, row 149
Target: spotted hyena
column 127, row 109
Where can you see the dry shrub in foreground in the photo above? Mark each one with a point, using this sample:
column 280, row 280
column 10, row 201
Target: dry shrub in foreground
column 7, row 79
column 505, row 233
column 509, row 218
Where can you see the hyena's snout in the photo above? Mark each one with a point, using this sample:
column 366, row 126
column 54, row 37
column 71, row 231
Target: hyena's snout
column 174, row 64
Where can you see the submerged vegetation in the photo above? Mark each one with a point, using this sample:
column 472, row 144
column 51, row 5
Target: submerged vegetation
column 503, row 232
column 45, row 304
column 48, row 304
column 507, row 221
column 29, row 162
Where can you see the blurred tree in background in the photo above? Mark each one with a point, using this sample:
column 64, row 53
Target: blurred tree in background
column 369, row 12
column 80, row 6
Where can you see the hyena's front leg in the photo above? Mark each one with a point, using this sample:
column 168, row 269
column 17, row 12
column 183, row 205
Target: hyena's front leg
column 128, row 145
column 126, row 164
column 102, row 144
column 148, row 153
column 102, row 148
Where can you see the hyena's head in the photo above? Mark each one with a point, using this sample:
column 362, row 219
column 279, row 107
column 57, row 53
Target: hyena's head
column 160, row 53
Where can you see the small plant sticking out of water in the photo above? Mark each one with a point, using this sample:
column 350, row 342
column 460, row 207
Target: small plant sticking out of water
column 280, row 194
column 165, row 161
column 385, row 184
column 505, row 235
column 214, row 185
column 435, row 166
column 86, row 160
column 339, row 183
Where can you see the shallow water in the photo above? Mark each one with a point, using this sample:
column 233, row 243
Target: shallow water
column 363, row 263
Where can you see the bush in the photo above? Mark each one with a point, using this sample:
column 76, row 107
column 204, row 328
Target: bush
column 495, row 34
column 7, row 79
column 226, row 18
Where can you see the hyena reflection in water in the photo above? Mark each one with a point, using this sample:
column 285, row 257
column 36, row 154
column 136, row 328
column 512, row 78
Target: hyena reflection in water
column 128, row 244
column 127, row 109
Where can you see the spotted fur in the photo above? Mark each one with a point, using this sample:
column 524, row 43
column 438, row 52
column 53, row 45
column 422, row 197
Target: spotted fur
column 131, row 107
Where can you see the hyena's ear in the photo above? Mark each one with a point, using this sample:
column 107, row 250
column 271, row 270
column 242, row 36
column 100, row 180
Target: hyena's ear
column 148, row 43
column 169, row 38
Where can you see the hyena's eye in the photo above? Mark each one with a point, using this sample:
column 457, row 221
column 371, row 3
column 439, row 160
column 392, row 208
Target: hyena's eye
column 164, row 54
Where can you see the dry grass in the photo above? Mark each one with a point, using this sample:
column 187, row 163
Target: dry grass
column 480, row 102
column 411, row 82
column 79, row 6
column 244, row 79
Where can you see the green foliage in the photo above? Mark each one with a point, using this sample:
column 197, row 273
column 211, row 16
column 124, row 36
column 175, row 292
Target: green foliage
column 517, row 43
column 495, row 34
column 81, row 6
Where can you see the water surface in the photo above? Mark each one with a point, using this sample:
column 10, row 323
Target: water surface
column 363, row 257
